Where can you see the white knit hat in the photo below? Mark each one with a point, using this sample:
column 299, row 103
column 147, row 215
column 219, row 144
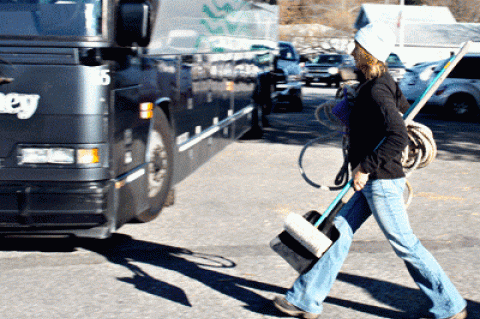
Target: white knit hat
column 378, row 39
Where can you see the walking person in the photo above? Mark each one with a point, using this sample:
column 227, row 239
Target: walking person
column 379, row 182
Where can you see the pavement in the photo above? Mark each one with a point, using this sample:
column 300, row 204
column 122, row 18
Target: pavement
column 239, row 200
column 263, row 185
column 208, row 256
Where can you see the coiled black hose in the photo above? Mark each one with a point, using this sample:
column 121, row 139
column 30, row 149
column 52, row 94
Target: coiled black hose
column 420, row 152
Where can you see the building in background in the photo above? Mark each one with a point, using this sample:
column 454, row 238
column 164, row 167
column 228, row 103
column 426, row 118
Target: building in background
column 424, row 33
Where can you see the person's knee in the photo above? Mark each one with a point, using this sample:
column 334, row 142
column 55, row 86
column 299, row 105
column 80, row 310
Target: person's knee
column 405, row 246
column 343, row 227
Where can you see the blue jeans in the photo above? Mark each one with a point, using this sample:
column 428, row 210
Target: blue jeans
column 383, row 198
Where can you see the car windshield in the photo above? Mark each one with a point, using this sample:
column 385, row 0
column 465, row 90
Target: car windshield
column 50, row 18
column 328, row 59
column 286, row 52
column 394, row 59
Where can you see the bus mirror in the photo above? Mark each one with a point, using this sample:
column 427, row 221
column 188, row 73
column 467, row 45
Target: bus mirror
column 133, row 23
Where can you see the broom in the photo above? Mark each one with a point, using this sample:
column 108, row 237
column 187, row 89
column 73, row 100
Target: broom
column 306, row 233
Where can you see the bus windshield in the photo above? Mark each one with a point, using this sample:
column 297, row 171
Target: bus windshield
column 50, row 18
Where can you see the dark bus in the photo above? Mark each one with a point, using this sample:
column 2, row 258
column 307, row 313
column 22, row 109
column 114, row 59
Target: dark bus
column 105, row 105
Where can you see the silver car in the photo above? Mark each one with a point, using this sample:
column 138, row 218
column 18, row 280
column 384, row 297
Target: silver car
column 459, row 94
column 417, row 78
column 325, row 68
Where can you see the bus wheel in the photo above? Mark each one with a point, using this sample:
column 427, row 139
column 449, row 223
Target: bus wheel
column 160, row 166
column 258, row 121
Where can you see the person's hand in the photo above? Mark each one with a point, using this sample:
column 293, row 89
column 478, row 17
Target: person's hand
column 359, row 178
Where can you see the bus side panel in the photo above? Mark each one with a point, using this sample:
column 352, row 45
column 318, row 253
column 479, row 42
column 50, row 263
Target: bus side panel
column 203, row 121
column 133, row 86
column 245, row 74
column 214, row 42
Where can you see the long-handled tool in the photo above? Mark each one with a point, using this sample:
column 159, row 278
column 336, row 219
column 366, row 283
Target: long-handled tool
column 305, row 239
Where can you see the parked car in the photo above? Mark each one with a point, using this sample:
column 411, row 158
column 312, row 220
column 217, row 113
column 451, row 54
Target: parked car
column 287, row 64
column 286, row 84
column 459, row 94
column 395, row 66
column 325, row 68
column 417, row 78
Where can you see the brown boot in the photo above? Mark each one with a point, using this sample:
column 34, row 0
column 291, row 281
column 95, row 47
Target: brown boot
column 286, row 307
column 461, row 315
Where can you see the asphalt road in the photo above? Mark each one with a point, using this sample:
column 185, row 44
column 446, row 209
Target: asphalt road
column 208, row 255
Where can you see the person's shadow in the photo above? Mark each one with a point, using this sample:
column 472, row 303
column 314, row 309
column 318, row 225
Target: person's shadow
column 411, row 303
column 402, row 302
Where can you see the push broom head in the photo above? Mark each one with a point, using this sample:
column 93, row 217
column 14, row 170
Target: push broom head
column 306, row 234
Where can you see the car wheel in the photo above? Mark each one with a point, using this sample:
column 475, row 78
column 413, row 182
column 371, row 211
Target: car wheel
column 160, row 166
column 461, row 106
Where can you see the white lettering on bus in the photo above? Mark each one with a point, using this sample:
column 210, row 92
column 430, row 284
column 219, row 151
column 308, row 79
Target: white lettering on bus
column 24, row 105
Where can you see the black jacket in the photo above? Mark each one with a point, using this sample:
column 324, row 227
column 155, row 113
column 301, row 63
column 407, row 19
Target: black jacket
column 374, row 116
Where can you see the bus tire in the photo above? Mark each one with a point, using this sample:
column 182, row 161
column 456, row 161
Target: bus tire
column 258, row 121
column 296, row 104
column 160, row 166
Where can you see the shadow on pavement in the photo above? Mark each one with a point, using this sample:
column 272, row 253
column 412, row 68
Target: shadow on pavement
column 128, row 252
column 201, row 267
column 207, row 269
column 297, row 128
column 410, row 302
column 455, row 140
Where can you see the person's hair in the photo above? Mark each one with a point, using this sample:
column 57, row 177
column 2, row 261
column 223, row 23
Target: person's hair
column 373, row 68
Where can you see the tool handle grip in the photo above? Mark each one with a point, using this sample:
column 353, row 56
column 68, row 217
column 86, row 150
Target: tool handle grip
column 342, row 198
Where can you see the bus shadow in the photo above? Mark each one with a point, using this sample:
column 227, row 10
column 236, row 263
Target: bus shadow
column 201, row 267
column 123, row 250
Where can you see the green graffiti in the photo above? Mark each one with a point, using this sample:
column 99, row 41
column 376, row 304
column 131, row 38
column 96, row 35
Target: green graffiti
column 221, row 16
column 237, row 28
column 228, row 8
column 210, row 14
column 223, row 11
column 216, row 31
column 225, row 23
column 231, row 19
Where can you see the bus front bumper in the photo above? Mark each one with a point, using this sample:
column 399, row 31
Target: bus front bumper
column 59, row 208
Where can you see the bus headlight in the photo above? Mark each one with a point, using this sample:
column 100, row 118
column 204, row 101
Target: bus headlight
column 34, row 155
column 88, row 156
column 57, row 155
